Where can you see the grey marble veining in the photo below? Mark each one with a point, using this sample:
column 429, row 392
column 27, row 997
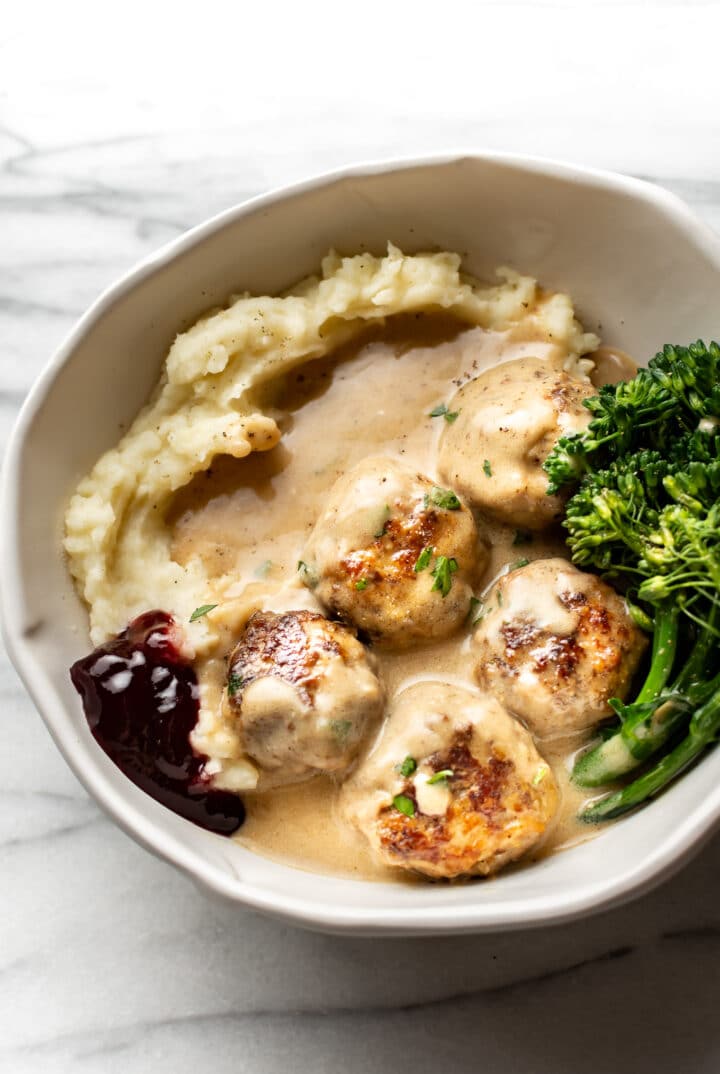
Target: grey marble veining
column 109, row 960
column 559, row 1022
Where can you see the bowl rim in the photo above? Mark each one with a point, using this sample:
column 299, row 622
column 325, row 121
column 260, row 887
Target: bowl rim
column 685, row 838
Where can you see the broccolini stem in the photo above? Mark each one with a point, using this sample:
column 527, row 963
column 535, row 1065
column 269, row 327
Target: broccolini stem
column 664, row 648
column 645, row 728
column 704, row 727
column 604, row 763
column 692, row 679
column 644, row 732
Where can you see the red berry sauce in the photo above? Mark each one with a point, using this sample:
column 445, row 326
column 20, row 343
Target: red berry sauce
column 141, row 701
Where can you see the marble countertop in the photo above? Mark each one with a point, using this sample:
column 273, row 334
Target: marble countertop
column 129, row 133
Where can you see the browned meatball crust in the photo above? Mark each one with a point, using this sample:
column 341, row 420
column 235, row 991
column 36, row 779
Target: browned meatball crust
column 454, row 787
column 304, row 692
column 394, row 554
column 554, row 644
column 509, row 420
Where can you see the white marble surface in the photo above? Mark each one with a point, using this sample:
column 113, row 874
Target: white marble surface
column 116, row 133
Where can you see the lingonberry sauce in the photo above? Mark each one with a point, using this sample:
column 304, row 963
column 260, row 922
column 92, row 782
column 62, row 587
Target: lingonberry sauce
column 141, row 701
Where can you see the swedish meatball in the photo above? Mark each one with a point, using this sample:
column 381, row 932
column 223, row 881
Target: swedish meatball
column 509, row 420
column 454, row 786
column 554, row 644
column 394, row 554
column 304, row 692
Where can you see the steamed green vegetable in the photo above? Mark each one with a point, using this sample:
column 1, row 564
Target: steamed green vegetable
column 646, row 513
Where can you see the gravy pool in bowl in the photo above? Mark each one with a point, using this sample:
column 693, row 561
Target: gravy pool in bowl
column 242, row 489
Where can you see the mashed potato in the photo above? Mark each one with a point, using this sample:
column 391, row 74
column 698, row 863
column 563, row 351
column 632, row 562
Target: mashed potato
column 207, row 404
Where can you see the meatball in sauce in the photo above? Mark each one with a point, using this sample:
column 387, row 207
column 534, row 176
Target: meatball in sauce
column 394, row 554
column 304, row 692
column 554, row 644
column 508, row 421
column 454, row 787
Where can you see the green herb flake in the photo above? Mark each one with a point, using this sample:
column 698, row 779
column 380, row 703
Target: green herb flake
column 442, row 572
column 440, row 777
column 201, row 611
column 308, row 575
column 341, row 729
column 361, row 584
column 475, row 604
column 404, row 805
column 518, row 564
column 235, row 683
column 423, row 560
column 500, row 599
column 540, row 775
column 385, row 520
column 444, row 498
column 408, row 766
column 522, row 537
column 441, row 411
column 487, row 468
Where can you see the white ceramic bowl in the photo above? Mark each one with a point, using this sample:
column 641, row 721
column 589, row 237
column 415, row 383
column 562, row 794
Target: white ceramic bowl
column 641, row 269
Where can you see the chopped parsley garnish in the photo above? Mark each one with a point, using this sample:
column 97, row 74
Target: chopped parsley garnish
column 487, row 468
column 385, row 520
column 423, row 560
column 441, row 411
column 440, row 777
column 499, row 598
column 201, row 611
column 404, row 805
column 309, row 578
column 475, row 603
column 539, row 776
column 444, row 498
column 235, row 683
column 341, row 728
column 442, row 572
column 408, row 766
column 522, row 537
column 361, row 584
column 518, row 563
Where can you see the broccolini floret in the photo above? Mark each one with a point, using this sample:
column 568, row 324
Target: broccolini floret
column 671, row 397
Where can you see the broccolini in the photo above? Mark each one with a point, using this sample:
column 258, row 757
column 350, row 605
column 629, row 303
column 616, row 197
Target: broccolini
column 645, row 512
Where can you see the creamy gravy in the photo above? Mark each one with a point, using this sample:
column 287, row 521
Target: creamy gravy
column 611, row 366
column 252, row 517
